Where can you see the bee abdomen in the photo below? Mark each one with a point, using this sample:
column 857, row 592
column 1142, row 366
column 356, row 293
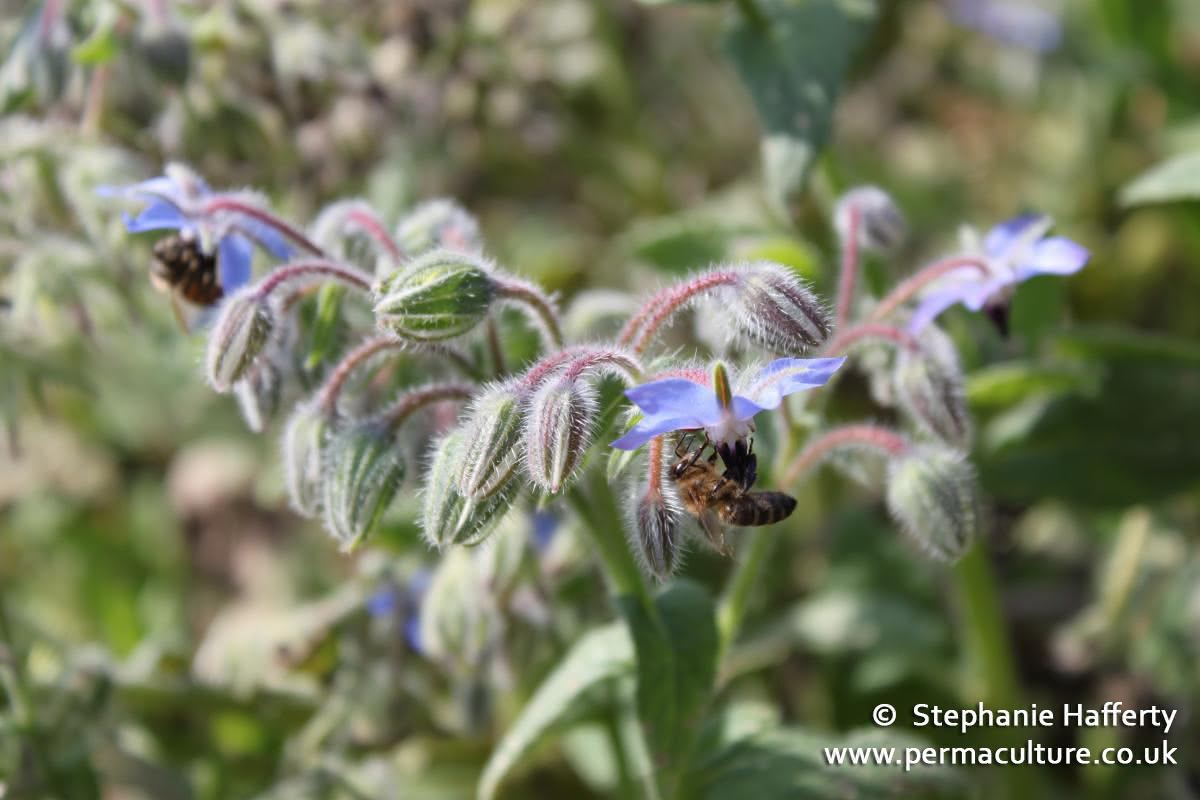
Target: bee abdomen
column 180, row 263
column 760, row 508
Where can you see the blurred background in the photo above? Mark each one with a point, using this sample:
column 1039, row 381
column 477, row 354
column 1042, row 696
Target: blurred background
column 168, row 629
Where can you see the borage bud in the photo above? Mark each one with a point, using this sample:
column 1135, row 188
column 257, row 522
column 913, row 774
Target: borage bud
column 304, row 441
column 774, row 309
column 364, row 469
column 258, row 394
column 439, row 223
column 491, row 439
column 448, row 516
column 243, row 328
column 558, row 431
column 657, row 531
column 933, row 494
column 933, row 396
column 877, row 221
column 440, row 295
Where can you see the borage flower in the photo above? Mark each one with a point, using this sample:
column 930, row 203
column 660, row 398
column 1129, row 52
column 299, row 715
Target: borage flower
column 1012, row 252
column 181, row 200
column 674, row 404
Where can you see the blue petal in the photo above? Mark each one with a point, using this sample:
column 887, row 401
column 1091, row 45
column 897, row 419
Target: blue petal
column 545, row 526
column 648, row 428
column 784, row 376
column 1002, row 237
column 234, row 253
column 160, row 187
column 158, row 215
column 932, row 305
column 383, row 602
column 1053, row 256
column 412, row 634
column 676, row 397
column 269, row 238
column 975, row 295
column 1019, row 24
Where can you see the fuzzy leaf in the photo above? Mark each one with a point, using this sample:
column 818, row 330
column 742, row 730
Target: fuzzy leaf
column 600, row 656
column 676, row 667
column 1177, row 178
column 793, row 61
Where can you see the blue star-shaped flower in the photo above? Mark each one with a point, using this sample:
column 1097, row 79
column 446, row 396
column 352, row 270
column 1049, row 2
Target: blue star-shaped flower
column 674, row 404
column 178, row 200
column 1013, row 251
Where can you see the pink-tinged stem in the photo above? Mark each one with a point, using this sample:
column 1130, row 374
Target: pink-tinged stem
column 51, row 11
column 907, row 288
column 222, row 202
column 538, row 372
column 654, row 459
column 373, row 227
column 535, row 301
column 849, row 275
column 333, row 270
column 328, row 395
column 416, row 399
column 885, row 440
column 871, row 330
column 661, row 306
column 623, row 361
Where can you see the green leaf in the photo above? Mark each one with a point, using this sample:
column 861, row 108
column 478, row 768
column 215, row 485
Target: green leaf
column 793, row 58
column 789, row 763
column 1131, row 439
column 99, row 48
column 1004, row 385
column 600, row 656
column 325, row 324
column 676, row 668
column 1177, row 178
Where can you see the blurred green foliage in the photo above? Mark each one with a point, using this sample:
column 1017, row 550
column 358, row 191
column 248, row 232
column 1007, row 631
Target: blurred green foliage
column 169, row 630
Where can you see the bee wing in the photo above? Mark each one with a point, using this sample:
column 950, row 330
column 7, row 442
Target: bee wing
column 713, row 529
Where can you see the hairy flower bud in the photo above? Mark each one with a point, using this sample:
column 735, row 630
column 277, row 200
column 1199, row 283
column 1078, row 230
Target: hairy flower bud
column 243, row 328
column 933, row 494
column 364, row 469
column 879, row 223
column 774, row 309
column 440, row 295
column 439, row 223
column 933, row 397
column 258, row 394
column 657, row 531
column 458, row 619
column 558, row 431
column 491, row 439
column 304, row 441
column 448, row 516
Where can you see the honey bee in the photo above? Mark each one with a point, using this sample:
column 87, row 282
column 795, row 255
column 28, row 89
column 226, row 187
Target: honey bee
column 182, row 270
column 716, row 500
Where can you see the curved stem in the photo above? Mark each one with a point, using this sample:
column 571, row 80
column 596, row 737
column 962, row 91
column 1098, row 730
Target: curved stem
column 663, row 305
column 495, row 349
column 226, row 203
column 909, row 287
column 598, row 510
column 879, row 438
column 624, row 362
column 334, row 270
column 533, row 299
column 742, row 584
column 849, row 274
column 416, row 399
column 871, row 330
column 535, row 374
column 373, row 227
column 327, row 396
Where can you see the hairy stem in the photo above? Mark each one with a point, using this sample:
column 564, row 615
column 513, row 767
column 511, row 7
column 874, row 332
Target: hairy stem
column 223, row 202
column 849, row 273
column 879, row 438
column 909, row 287
column 872, row 331
column 495, row 349
column 598, row 509
column 741, row 585
column 413, row 400
column 373, row 227
column 333, row 270
column 536, row 302
column 663, row 305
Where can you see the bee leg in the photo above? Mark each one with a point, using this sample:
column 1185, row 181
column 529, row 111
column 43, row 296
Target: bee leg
column 681, row 447
column 750, row 474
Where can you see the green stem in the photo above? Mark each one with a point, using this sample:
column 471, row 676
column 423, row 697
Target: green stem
column 598, row 509
column 992, row 673
column 745, row 578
